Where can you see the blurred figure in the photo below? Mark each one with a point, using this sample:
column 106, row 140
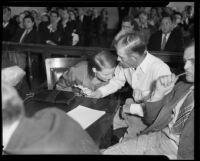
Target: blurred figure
column 129, row 25
column 50, row 33
column 68, row 34
column 103, row 27
column 36, row 17
column 145, row 27
column 49, row 131
column 9, row 27
column 83, row 26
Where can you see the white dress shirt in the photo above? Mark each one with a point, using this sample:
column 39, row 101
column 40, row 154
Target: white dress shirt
column 142, row 78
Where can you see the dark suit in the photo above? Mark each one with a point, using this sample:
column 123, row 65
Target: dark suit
column 9, row 31
column 45, row 33
column 32, row 37
column 174, row 43
column 50, row 131
column 83, row 30
column 158, row 116
column 66, row 32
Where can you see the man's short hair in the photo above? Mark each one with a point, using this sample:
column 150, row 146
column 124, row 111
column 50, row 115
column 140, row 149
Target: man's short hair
column 30, row 17
column 133, row 42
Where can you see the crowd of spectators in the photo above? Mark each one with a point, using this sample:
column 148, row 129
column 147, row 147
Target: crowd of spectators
column 59, row 26
column 82, row 26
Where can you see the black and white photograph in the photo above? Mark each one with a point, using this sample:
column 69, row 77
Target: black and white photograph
column 82, row 79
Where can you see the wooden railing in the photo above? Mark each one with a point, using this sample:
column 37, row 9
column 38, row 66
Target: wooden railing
column 68, row 51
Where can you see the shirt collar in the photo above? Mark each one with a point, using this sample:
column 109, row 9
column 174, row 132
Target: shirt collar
column 145, row 63
column 168, row 34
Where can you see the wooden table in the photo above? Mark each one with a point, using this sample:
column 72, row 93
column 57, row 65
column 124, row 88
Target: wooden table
column 100, row 130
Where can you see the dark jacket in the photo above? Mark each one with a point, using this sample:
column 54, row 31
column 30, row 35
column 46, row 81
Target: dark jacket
column 158, row 116
column 9, row 31
column 32, row 37
column 66, row 32
column 174, row 43
column 50, row 131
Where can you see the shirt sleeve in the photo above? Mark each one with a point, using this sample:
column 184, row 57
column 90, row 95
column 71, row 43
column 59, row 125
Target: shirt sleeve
column 115, row 83
column 161, row 70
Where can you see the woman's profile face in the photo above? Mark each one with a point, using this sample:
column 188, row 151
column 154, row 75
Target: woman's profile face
column 105, row 74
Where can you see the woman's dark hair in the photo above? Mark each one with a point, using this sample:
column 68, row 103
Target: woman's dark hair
column 103, row 59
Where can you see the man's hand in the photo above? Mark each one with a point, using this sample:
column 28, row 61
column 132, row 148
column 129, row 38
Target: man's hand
column 95, row 94
column 140, row 96
column 165, row 81
column 127, row 105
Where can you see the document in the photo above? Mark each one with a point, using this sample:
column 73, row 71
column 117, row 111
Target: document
column 85, row 116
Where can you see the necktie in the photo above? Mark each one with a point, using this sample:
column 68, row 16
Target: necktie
column 23, row 36
column 164, row 42
column 184, row 113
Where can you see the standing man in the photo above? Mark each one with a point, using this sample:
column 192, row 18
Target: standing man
column 171, row 120
column 141, row 70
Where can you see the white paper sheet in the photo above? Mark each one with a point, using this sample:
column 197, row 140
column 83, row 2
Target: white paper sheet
column 85, row 116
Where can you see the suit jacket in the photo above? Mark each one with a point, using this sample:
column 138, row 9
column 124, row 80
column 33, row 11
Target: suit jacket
column 32, row 37
column 78, row 74
column 158, row 115
column 9, row 31
column 174, row 43
column 50, row 131
column 66, row 33
column 45, row 33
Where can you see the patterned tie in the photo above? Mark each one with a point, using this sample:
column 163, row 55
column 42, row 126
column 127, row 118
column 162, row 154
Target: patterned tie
column 184, row 113
column 164, row 42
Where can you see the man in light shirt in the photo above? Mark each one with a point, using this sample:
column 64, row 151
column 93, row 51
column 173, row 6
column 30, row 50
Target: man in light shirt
column 141, row 70
column 171, row 120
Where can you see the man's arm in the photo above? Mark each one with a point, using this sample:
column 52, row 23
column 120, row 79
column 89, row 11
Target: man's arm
column 114, row 84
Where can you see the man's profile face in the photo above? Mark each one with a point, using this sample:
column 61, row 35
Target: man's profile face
column 125, row 59
column 189, row 60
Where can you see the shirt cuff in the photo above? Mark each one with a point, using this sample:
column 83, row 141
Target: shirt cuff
column 136, row 109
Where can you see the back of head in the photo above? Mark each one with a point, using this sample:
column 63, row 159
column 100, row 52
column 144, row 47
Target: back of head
column 12, row 104
column 132, row 42
column 103, row 59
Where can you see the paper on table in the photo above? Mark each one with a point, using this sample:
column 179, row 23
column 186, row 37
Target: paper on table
column 85, row 116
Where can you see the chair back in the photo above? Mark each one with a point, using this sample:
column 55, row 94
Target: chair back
column 55, row 67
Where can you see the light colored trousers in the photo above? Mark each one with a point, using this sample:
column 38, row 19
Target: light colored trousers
column 134, row 124
column 156, row 143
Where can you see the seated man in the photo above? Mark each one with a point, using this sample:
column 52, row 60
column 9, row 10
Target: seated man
column 89, row 75
column 167, row 39
column 171, row 120
column 49, row 131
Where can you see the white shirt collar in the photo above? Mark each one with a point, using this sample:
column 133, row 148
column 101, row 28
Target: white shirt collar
column 145, row 63
column 168, row 34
